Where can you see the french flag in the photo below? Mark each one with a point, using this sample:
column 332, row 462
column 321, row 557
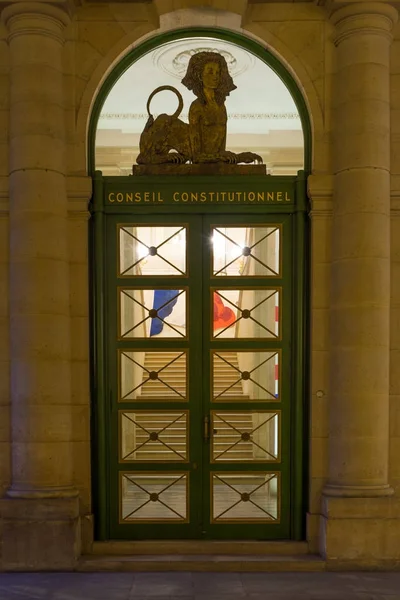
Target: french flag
column 164, row 302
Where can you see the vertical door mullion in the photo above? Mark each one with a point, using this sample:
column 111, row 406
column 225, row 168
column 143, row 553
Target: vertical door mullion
column 195, row 370
column 206, row 367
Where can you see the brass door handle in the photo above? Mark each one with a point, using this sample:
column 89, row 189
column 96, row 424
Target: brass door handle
column 206, row 428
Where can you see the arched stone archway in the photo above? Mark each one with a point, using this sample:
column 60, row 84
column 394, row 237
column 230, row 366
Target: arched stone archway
column 306, row 78
column 292, row 526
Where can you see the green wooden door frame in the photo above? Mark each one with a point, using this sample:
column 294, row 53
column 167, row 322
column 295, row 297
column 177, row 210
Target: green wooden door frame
column 104, row 209
column 300, row 248
column 217, row 33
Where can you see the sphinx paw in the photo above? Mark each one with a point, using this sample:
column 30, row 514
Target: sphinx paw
column 249, row 157
column 229, row 157
column 258, row 159
column 176, row 158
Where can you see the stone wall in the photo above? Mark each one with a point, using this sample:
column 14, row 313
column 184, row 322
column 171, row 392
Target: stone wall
column 394, row 448
column 302, row 37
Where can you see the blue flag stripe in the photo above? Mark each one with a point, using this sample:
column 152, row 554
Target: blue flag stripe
column 167, row 299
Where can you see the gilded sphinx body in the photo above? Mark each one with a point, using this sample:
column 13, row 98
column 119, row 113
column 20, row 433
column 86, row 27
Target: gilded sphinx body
column 167, row 139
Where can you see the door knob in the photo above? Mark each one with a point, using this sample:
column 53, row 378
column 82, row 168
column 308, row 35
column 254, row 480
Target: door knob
column 206, row 428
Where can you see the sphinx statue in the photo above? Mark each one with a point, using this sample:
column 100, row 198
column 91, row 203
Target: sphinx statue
column 167, row 139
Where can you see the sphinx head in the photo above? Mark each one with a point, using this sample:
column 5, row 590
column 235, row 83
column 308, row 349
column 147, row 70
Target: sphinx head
column 208, row 69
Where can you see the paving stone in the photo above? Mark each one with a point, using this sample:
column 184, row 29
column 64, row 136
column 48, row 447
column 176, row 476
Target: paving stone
column 200, row 586
column 380, row 583
column 65, row 586
column 218, row 584
column 301, row 583
column 161, row 584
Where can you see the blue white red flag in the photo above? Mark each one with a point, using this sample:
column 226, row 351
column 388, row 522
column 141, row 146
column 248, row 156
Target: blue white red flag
column 164, row 302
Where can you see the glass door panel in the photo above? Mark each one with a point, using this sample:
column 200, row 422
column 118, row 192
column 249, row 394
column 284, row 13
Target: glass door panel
column 152, row 250
column 245, row 436
column 245, row 376
column 153, row 436
column 245, row 497
column 246, row 250
column 154, row 497
column 157, row 375
column 146, row 313
column 248, row 313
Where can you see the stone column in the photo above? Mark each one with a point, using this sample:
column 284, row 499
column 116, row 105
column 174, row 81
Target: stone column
column 42, row 497
column 4, row 325
column 360, row 283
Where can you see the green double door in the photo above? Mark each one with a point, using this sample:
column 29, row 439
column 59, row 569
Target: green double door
column 198, row 367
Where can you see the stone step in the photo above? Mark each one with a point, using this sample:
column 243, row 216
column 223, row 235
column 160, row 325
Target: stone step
column 180, row 440
column 226, row 353
column 219, row 393
column 202, row 563
column 173, row 457
column 222, row 436
column 156, row 452
column 165, row 435
column 168, row 374
column 180, row 424
column 180, row 375
column 201, row 547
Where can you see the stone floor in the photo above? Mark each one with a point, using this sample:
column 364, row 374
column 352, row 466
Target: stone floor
column 200, row 586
